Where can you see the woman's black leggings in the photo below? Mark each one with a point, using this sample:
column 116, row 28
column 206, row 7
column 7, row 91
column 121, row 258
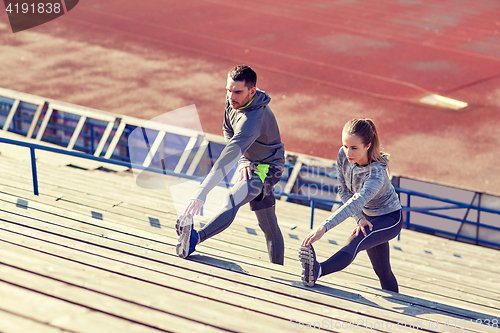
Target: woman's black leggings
column 241, row 193
column 376, row 244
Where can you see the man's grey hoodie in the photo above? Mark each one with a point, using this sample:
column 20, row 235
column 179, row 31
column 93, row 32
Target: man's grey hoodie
column 252, row 137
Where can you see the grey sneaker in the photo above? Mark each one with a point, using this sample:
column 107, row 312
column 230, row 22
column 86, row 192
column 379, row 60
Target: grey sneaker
column 310, row 266
column 188, row 237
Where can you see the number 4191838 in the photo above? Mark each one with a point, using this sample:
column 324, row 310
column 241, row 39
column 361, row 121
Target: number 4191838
column 41, row 8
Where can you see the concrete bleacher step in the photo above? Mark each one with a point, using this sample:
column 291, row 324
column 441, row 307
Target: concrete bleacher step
column 107, row 251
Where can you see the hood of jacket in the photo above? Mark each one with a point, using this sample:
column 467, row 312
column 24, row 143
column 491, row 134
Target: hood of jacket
column 260, row 99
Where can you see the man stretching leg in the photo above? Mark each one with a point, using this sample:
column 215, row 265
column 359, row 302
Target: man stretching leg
column 254, row 142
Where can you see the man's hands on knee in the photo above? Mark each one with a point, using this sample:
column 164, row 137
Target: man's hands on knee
column 193, row 208
column 246, row 172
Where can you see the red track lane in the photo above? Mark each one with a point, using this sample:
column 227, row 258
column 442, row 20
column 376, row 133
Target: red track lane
column 321, row 62
column 350, row 55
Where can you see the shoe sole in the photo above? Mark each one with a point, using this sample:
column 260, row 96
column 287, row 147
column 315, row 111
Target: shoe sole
column 306, row 258
column 178, row 227
column 184, row 233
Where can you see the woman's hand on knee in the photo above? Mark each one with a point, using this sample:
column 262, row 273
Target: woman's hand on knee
column 362, row 223
column 314, row 235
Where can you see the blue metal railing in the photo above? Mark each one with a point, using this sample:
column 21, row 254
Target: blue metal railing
column 432, row 211
column 428, row 210
column 33, row 147
column 312, row 200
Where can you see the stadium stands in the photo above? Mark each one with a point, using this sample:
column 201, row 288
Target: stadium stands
column 96, row 253
column 171, row 143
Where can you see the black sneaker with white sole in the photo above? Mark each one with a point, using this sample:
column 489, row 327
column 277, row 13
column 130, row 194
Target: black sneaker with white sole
column 310, row 266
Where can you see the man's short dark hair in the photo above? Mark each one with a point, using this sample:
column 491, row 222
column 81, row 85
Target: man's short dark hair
column 244, row 73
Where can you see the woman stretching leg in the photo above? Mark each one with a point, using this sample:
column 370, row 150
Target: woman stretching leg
column 367, row 195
